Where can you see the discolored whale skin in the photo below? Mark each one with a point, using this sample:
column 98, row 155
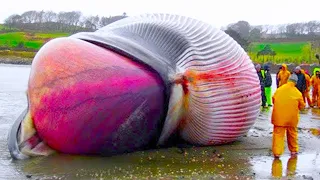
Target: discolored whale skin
column 85, row 99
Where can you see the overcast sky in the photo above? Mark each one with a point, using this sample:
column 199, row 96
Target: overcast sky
column 216, row 12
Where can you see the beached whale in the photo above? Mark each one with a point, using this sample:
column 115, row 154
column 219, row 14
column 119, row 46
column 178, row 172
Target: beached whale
column 134, row 84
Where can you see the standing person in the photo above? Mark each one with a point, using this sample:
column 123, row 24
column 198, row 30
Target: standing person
column 262, row 82
column 315, row 82
column 268, row 84
column 287, row 101
column 306, row 93
column 301, row 84
column 277, row 79
column 283, row 75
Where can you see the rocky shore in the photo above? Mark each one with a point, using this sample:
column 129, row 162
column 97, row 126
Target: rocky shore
column 15, row 60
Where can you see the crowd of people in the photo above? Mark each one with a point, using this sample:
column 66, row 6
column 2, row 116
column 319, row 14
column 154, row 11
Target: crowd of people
column 305, row 84
column 293, row 91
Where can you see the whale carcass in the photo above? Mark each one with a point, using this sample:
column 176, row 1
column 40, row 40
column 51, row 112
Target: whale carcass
column 132, row 85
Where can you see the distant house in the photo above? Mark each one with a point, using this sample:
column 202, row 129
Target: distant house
column 317, row 33
column 265, row 35
column 276, row 36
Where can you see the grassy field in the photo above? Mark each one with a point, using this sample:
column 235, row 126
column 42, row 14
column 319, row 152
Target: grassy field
column 32, row 41
column 290, row 52
column 26, row 44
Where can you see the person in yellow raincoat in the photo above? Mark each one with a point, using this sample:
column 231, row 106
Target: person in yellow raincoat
column 287, row 102
column 315, row 82
column 283, row 75
column 306, row 93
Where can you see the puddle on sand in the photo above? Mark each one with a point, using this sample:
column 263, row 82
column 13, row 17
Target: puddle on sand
column 304, row 166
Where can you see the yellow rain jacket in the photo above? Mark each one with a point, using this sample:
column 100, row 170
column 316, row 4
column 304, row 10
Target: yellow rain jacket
column 308, row 79
column 287, row 102
column 283, row 75
column 307, row 91
column 315, row 82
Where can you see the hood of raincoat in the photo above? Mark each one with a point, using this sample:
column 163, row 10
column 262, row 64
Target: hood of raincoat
column 285, row 67
column 266, row 67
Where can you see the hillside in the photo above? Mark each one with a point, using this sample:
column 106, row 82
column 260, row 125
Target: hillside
column 29, row 41
column 290, row 52
column 24, row 44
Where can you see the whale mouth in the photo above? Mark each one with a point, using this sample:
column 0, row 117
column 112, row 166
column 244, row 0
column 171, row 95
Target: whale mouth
column 23, row 140
column 14, row 137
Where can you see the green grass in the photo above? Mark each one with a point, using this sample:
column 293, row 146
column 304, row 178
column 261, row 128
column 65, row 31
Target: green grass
column 27, row 40
column 295, row 52
column 52, row 35
column 22, row 54
column 24, row 44
column 285, row 48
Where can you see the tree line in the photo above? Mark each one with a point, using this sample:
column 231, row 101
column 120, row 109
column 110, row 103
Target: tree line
column 75, row 21
column 72, row 21
column 244, row 33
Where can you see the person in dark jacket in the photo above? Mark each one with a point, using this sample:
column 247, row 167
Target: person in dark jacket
column 277, row 80
column 301, row 83
column 262, row 82
column 267, row 85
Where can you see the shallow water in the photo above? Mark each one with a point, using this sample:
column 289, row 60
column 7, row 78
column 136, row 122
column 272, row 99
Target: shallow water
column 248, row 158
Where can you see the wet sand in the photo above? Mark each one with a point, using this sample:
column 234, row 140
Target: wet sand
column 248, row 158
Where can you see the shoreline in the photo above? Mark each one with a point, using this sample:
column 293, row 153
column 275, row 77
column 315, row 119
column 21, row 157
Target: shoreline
column 273, row 67
column 16, row 60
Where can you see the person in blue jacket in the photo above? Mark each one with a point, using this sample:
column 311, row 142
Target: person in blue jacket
column 261, row 76
column 268, row 84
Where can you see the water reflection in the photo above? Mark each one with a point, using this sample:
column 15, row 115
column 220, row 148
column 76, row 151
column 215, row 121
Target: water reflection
column 316, row 113
column 315, row 131
column 291, row 167
column 276, row 168
column 295, row 167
